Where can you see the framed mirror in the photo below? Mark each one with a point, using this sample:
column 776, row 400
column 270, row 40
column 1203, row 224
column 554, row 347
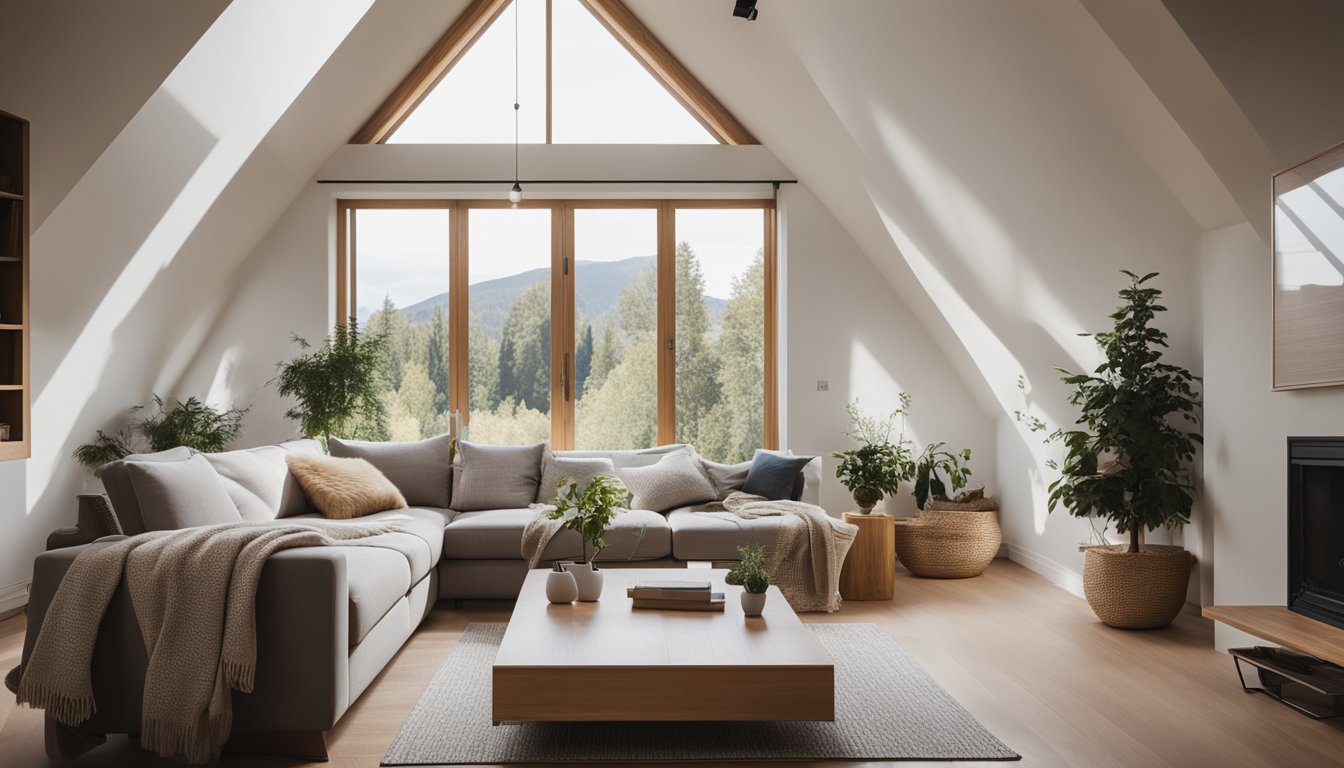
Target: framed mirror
column 1308, row 244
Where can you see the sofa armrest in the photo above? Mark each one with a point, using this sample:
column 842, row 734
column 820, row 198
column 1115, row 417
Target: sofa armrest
column 303, row 676
column 812, row 482
column 94, row 520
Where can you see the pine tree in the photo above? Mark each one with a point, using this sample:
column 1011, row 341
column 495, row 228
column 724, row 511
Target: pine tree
column 436, row 358
column 583, row 360
column 606, row 356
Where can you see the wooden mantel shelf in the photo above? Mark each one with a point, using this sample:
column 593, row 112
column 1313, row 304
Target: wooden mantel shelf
column 1277, row 624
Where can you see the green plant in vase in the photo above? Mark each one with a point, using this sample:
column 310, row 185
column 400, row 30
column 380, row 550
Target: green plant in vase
column 878, row 466
column 931, row 465
column 588, row 512
column 752, row 572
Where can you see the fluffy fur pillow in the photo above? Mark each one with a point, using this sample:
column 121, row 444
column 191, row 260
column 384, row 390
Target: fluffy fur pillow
column 344, row 488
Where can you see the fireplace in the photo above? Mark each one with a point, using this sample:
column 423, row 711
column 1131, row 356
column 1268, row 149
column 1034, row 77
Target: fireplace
column 1316, row 528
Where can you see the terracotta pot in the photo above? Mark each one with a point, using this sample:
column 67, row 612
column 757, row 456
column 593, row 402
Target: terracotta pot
column 589, row 581
column 753, row 604
column 1136, row 590
column 561, row 587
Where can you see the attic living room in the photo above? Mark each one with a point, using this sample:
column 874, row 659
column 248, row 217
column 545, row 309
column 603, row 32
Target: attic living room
column 491, row 382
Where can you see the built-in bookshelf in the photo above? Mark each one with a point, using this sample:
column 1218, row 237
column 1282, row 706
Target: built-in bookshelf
column 15, row 384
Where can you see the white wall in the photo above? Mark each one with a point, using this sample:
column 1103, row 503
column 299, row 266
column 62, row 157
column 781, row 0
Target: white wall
column 846, row 326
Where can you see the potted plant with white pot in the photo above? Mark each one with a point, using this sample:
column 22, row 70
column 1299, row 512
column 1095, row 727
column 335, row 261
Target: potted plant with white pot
column 588, row 512
column 752, row 572
column 1128, row 462
column 876, row 468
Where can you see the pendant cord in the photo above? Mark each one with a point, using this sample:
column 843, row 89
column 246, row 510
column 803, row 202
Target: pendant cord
column 517, row 11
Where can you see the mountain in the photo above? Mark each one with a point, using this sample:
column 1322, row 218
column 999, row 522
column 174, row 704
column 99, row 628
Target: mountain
column 597, row 294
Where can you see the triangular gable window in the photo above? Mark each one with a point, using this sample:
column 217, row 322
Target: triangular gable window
column 610, row 82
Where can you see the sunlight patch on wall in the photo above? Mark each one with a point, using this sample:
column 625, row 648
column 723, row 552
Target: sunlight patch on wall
column 219, row 103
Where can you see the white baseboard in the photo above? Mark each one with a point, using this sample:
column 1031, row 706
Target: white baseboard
column 13, row 597
column 1050, row 570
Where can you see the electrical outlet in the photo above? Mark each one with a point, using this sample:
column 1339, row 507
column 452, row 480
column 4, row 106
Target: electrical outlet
column 823, row 385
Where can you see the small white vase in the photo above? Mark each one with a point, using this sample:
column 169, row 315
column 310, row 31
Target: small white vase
column 561, row 587
column 753, row 604
column 589, row 580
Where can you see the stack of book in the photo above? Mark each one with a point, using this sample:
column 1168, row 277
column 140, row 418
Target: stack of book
column 675, row 595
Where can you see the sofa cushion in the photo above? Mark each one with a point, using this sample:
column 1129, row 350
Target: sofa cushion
column 640, row 457
column 581, row 471
column 497, row 476
column 254, row 478
column 710, row 536
column 675, row 481
column 776, row 476
column 420, row 541
column 421, row 470
column 376, row 579
column 342, row 489
column 726, row 477
column 497, row 534
column 181, row 494
column 117, row 482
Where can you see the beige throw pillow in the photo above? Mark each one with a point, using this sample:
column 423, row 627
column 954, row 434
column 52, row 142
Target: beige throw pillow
column 344, row 488
column 676, row 481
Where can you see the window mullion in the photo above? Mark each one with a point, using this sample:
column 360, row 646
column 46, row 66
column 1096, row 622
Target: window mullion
column 667, row 324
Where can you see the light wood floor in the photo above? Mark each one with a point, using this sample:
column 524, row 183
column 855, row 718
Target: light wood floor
column 1027, row 659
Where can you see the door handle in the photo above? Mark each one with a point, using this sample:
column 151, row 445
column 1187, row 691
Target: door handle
column 564, row 377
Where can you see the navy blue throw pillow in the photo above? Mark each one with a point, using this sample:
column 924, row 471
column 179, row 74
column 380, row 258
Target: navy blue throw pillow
column 776, row 477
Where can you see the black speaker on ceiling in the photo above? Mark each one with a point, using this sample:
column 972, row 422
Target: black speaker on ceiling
column 745, row 9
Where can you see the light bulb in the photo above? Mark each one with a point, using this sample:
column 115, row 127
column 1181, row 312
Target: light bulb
column 516, row 194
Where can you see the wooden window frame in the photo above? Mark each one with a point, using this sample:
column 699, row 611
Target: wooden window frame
column 563, row 342
column 613, row 15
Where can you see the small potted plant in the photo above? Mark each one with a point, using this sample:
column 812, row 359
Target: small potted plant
column 878, row 466
column 956, row 535
column 588, row 512
column 1128, row 462
column 752, row 572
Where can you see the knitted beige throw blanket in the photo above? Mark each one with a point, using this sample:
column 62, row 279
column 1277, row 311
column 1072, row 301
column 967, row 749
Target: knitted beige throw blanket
column 194, row 592
column 810, row 547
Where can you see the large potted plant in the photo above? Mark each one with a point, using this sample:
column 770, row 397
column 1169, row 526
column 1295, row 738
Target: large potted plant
column 338, row 385
column 956, row 535
column 189, row 422
column 1129, row 464
column 877, row 467
column 588, row 512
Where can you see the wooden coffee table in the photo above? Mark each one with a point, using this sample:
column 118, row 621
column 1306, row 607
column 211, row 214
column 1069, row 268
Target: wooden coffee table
column 606, row 661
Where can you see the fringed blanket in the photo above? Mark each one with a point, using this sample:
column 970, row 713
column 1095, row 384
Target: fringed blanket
column 194, row 593
column 810, row 547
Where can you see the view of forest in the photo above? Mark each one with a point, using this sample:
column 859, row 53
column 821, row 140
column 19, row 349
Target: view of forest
column 720, row 359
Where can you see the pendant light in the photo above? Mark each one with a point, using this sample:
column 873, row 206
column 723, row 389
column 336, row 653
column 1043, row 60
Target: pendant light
column 516, row 193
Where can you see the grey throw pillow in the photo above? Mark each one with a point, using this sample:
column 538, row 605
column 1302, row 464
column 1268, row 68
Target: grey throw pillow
column 181, row 494
column 497, row 476
column 726, row 477
column 116, row 477
column 254, row 479
column 776, row 476
column 581, row 471
column 421, row 470
column 676, row 481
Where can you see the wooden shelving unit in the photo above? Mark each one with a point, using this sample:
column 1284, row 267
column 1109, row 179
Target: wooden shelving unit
column 15, row 386
column 1277, row 624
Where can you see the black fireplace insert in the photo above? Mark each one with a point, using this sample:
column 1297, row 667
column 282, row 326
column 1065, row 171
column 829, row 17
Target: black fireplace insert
column 1316, row 528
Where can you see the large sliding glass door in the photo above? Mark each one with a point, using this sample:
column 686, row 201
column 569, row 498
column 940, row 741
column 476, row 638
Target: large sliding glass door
column 591, row 324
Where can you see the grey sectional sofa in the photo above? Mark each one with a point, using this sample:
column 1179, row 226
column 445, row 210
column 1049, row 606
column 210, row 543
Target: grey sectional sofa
column 329, row 619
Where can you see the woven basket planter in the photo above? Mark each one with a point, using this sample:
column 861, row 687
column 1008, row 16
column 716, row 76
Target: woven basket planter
column 1136, row 590
column 944, row 543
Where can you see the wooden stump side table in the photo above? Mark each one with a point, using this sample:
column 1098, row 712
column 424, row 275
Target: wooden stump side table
column 869, row 572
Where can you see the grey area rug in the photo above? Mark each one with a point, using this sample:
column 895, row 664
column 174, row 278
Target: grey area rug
column 886, row 708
